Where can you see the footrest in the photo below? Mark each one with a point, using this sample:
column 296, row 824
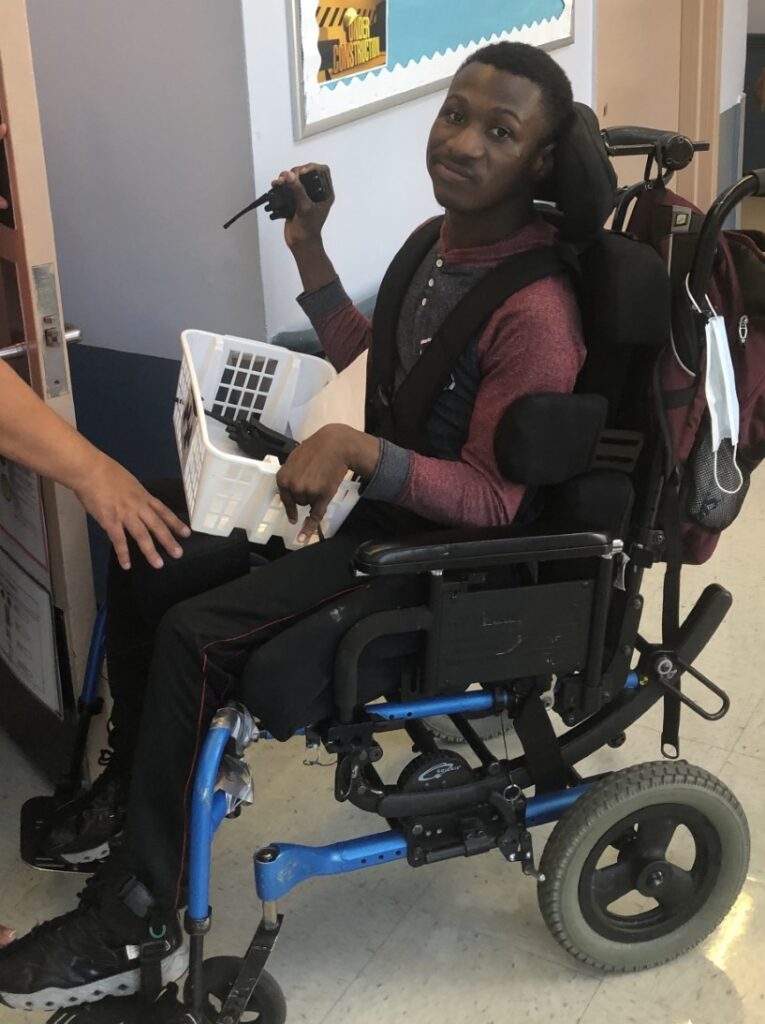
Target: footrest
column 36, row 817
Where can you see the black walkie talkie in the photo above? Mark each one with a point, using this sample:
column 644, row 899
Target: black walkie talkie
column 280, row 203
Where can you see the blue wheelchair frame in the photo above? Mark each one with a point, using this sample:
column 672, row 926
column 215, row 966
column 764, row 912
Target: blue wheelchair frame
column 281, row 867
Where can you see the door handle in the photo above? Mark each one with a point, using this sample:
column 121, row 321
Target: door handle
column 72, row 335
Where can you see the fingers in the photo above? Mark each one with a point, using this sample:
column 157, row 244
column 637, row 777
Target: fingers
column 119, row 542
column 145, row 542
column 313, row 521
column 170, row 518
column 290, row 505
column 7, row 935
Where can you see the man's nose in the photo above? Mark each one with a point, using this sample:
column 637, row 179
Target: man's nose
column 467, row 144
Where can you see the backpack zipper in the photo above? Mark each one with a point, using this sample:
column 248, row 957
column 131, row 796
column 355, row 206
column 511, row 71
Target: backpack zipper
column 743, row 329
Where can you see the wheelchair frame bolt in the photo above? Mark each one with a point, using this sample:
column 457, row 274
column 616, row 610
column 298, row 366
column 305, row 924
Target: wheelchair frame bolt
column 665, row 667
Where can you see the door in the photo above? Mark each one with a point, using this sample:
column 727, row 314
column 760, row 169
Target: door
column 663, row 72
column 46, row 595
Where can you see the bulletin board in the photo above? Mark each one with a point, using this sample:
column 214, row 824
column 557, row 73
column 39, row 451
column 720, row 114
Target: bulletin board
column 351, row 61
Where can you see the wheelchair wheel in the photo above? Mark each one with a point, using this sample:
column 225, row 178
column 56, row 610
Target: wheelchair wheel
column 266, row 1006
column 644, row 866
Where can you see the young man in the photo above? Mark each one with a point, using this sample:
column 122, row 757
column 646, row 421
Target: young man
column 491, row 145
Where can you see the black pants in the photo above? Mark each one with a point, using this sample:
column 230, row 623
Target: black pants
column 266, row 637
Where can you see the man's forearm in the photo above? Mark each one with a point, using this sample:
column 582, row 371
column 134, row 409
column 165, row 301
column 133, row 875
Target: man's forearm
column 314, row 266
column 35, row 436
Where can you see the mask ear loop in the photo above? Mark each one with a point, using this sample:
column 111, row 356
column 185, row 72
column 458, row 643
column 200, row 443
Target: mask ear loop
column 735, row 466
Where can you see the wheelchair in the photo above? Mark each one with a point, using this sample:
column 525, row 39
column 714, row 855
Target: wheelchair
column 546, row 618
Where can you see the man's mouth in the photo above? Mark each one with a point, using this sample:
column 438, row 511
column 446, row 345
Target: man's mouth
column 452, row 172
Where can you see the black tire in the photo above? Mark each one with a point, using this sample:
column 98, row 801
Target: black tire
column 637, row 812
column 442, row 727
column 220, row 973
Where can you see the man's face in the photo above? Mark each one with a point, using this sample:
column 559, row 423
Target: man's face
column 486, row 145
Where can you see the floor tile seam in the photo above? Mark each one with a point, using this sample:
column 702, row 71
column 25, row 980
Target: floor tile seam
column 589, row 1004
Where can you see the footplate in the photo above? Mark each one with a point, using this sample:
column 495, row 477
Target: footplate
column 36, row 817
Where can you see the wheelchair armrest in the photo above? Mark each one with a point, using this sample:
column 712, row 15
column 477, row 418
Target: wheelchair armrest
column 475, row 549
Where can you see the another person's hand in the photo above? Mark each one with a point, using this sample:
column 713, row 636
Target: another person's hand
column 315, row 469
column 306, row 226
column 3, row 200
column 125, row 508
column 7, row 935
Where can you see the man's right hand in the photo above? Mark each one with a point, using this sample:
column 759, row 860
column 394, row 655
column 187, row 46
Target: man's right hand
column 304, row 230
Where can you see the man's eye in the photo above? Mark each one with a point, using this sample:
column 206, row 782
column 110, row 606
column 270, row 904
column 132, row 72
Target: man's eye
column 501, row 133
column 454, row 116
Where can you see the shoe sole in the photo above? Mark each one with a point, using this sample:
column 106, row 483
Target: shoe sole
column 98, row 853
column 126, row 984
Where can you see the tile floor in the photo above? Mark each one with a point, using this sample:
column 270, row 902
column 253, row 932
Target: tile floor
column 464, row 942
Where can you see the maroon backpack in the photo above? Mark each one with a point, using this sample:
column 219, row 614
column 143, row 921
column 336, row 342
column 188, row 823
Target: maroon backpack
column 736, row 290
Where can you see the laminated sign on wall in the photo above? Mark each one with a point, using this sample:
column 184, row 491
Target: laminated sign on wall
column 350, row 60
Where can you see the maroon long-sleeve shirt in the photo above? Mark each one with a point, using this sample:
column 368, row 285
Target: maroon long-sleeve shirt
column 532, row 344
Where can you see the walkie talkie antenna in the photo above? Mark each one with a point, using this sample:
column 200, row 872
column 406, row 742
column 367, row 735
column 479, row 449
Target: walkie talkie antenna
column 253, row 206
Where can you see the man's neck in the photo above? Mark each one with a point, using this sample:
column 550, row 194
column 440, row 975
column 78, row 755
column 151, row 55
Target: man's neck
column 471, row 230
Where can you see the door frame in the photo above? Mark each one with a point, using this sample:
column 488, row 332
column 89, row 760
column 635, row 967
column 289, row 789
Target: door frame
column 30, row 245
column 700, row 84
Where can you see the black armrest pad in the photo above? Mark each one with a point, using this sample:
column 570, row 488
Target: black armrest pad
column 475, row 549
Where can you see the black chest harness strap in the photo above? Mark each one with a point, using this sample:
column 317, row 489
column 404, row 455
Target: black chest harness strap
column 402, row 419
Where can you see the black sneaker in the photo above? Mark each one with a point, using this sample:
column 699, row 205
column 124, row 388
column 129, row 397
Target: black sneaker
column 82, row 829
column 92, row 952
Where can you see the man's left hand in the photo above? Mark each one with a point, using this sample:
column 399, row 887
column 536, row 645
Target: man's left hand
column 315, row 469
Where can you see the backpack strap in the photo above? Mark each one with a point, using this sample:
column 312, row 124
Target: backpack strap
column 670, row 611
column 381, row 366
column 670, row 520
column 432, row 371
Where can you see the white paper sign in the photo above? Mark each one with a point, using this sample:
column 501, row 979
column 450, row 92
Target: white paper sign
column 27, row 640
column 341, row 401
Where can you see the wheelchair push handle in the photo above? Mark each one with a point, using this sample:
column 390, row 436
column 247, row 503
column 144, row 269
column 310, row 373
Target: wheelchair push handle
column 673, row 150
column 752, row 184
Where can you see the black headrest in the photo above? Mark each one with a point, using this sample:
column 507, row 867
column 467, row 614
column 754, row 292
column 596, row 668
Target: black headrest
column 583, row 182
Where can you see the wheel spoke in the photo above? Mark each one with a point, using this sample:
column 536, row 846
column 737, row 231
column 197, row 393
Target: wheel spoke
column 609, row 884
column 676, row 891
column 654, row 837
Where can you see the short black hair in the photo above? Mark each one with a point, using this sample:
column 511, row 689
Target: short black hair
column 539, row 67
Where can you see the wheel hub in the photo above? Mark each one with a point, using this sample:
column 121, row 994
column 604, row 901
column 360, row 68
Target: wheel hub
column 653, row 878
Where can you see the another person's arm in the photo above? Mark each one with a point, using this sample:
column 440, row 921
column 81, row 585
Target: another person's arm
column 35, row 436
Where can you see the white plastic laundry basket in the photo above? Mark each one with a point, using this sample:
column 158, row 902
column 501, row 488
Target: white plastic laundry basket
column 235, row 377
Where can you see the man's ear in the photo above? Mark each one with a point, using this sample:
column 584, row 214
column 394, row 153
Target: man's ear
column 543, row 162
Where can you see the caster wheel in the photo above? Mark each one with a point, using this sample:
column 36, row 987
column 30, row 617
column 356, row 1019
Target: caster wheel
column 644, row 866
column 266, row 1006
